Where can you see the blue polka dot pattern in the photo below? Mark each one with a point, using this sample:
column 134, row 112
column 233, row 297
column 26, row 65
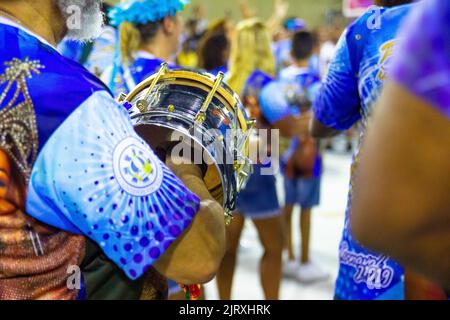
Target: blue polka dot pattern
column 132, row 205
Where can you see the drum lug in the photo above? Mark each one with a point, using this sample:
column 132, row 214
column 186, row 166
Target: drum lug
column 142, row 105
column 201, row 117
column 236, row 165
column 228, row 218
column 122, row 97
column 251, row 124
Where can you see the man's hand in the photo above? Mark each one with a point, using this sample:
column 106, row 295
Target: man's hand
column 281, row 9
column 246, row 11
column 196, row 255
column 183, row 168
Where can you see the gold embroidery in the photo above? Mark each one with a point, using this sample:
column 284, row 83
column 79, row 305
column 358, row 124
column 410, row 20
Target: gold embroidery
column 34, row 258
column 18, row 128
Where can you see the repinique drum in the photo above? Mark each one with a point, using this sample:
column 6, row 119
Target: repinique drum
column 176, row 106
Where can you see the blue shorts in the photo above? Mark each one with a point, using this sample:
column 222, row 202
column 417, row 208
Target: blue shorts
column 303, row 192
column 259, row 199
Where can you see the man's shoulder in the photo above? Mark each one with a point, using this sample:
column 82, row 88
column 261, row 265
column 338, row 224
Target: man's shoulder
column 374, row 28
column 16, row 44
column 374, row 18
column 55, row 85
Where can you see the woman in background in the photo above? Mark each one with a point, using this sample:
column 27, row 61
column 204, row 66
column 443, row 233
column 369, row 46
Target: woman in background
column 149, row 34
column 252, row 65
column 214, row 47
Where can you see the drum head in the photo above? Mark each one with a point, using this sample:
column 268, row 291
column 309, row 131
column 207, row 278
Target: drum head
column 160, row 139
column 203, row 110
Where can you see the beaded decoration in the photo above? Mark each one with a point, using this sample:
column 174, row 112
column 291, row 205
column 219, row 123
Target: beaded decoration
column 18, row 127
column 192, row 292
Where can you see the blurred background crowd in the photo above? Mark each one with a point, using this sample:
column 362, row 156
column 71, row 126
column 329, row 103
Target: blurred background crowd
column 254, row 43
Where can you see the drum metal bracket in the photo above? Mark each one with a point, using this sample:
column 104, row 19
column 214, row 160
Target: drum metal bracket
column 143, row 104
column 201, row 116
column 122, row 97
column 228, row 218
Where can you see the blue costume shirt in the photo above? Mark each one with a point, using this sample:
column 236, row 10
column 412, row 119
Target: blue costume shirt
column 93, row 176
column 354, row 82
column 123, row 79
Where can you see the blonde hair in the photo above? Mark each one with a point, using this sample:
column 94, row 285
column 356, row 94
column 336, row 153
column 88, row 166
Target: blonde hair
column 251, row 50
column 130, row 41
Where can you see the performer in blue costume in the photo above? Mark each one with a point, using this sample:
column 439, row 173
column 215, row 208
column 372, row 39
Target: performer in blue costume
column 149, row 34
column 82, row 171
column 415, row 109
column 411, row 213
column 354, row 82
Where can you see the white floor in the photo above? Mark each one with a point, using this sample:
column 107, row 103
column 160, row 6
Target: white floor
column 328, row 220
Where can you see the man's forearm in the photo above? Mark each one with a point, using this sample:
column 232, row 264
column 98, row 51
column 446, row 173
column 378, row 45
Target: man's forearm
column 197, row 254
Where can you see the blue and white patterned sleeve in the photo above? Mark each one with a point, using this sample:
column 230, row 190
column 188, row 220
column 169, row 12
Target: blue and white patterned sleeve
column 337, row 105
column 96, row 177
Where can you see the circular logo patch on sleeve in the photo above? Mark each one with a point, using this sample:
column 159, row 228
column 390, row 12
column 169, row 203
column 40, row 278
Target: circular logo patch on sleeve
column 136, row 168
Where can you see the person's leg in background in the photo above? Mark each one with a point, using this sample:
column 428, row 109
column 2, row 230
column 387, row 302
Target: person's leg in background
column 290, row 267
column 259, row 202
column 309, row 197
column 270, row 233
column 288, row 241
column 305, row 232
column 225, row 274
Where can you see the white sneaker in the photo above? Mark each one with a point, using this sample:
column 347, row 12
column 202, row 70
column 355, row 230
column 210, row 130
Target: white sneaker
column 310, row 272
column 290, row 269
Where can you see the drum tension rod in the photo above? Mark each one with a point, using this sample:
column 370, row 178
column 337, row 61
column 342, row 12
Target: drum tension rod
column 236, row 165
column 201, row 116
column 251, row 124
column 143, row 104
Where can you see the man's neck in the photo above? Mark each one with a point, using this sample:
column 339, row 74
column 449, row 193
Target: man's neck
column 159, row 48
column 302, row 63
column 42, row 18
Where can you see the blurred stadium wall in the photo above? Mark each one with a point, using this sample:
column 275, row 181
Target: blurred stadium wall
column 315, row 12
